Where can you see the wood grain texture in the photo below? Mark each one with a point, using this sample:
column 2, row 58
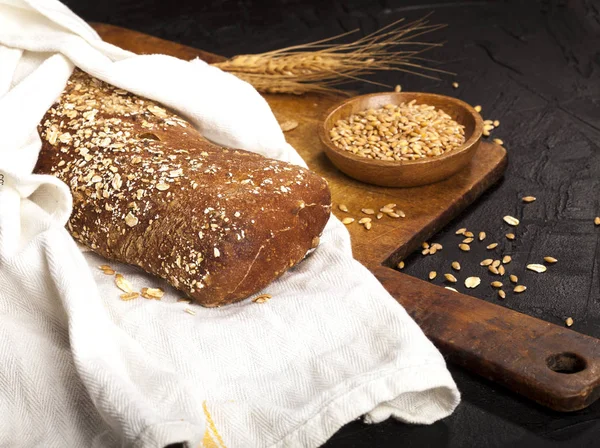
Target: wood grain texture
column 467, row 330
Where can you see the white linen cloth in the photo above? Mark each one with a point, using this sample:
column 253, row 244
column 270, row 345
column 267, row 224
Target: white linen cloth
column 79, row 367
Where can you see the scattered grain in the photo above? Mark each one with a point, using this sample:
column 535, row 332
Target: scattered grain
column 379, row 215
column 262, row 298
column 477, row 108
column 129, row 296
column 519, row 288
column 190, row 311
column 450, row 288
column 401, row 265
column 464, row 247
column 108, row 272
column 461, row 231
column 536, row 267
column 469, row 234
column 398, row 88
column 368, row 211
column 510, row 236
column 496, row 284
column 455, row 85
column 511, row 220
column 468, row 240
column 152, row 293
column 432, row 275
column 364, row 220
column 450, row 278
column 368, row 225
column 456, row 265
column 288, row 125
column 506, row 259
column 501, row 294
column 347, row 220
column 491, row 246
column 486, row 262
column 597, row 220
column 493, row 270
column 528, row 199
column 501, row 270
column 482, row 236
column 498, row 141
column 513, row 278
column 472, row 282
column 569, row 321
column 550, row 260
column 343, row 208
column 123, row 284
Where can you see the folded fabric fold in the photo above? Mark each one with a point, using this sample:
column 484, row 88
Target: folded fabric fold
column 83, row 368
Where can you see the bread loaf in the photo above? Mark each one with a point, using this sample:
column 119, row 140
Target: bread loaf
column 218, row 224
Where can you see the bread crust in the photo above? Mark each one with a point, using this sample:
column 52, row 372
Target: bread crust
column 218, row 224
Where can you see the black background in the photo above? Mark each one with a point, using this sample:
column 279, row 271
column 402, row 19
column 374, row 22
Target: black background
column 535, row 66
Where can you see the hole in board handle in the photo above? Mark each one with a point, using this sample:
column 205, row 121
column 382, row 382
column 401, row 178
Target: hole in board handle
column 566, row 363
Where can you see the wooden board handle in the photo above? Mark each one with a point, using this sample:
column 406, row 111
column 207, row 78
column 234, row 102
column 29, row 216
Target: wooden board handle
column 552, row 365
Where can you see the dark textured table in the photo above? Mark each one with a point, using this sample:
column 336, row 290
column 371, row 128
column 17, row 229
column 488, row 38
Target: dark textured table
column 535, row 66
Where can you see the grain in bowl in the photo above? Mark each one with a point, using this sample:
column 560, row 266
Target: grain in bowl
column 405, row 131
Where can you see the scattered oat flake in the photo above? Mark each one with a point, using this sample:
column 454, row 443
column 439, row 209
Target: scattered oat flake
column 536, row 267
column 379, row 215
column 368, row 225
column 162, row 186
column 217, row 253
column 343, row 208
column 520, row 288
column 511, row 220
column 569, row 321
column 368, row 211
column 528, row 199
column 550, row 260
column 262, row 298
column 129, row 296
column 123, row 284
column 472, row 282
column 288, row 125
column 347, row 220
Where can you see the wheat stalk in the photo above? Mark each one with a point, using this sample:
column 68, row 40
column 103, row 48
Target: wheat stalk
column 322, row 65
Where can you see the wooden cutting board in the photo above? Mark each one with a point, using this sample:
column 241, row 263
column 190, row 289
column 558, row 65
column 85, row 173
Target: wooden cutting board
column 554, row 366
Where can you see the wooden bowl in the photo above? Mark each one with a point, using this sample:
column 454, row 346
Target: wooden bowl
column 409, row 173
